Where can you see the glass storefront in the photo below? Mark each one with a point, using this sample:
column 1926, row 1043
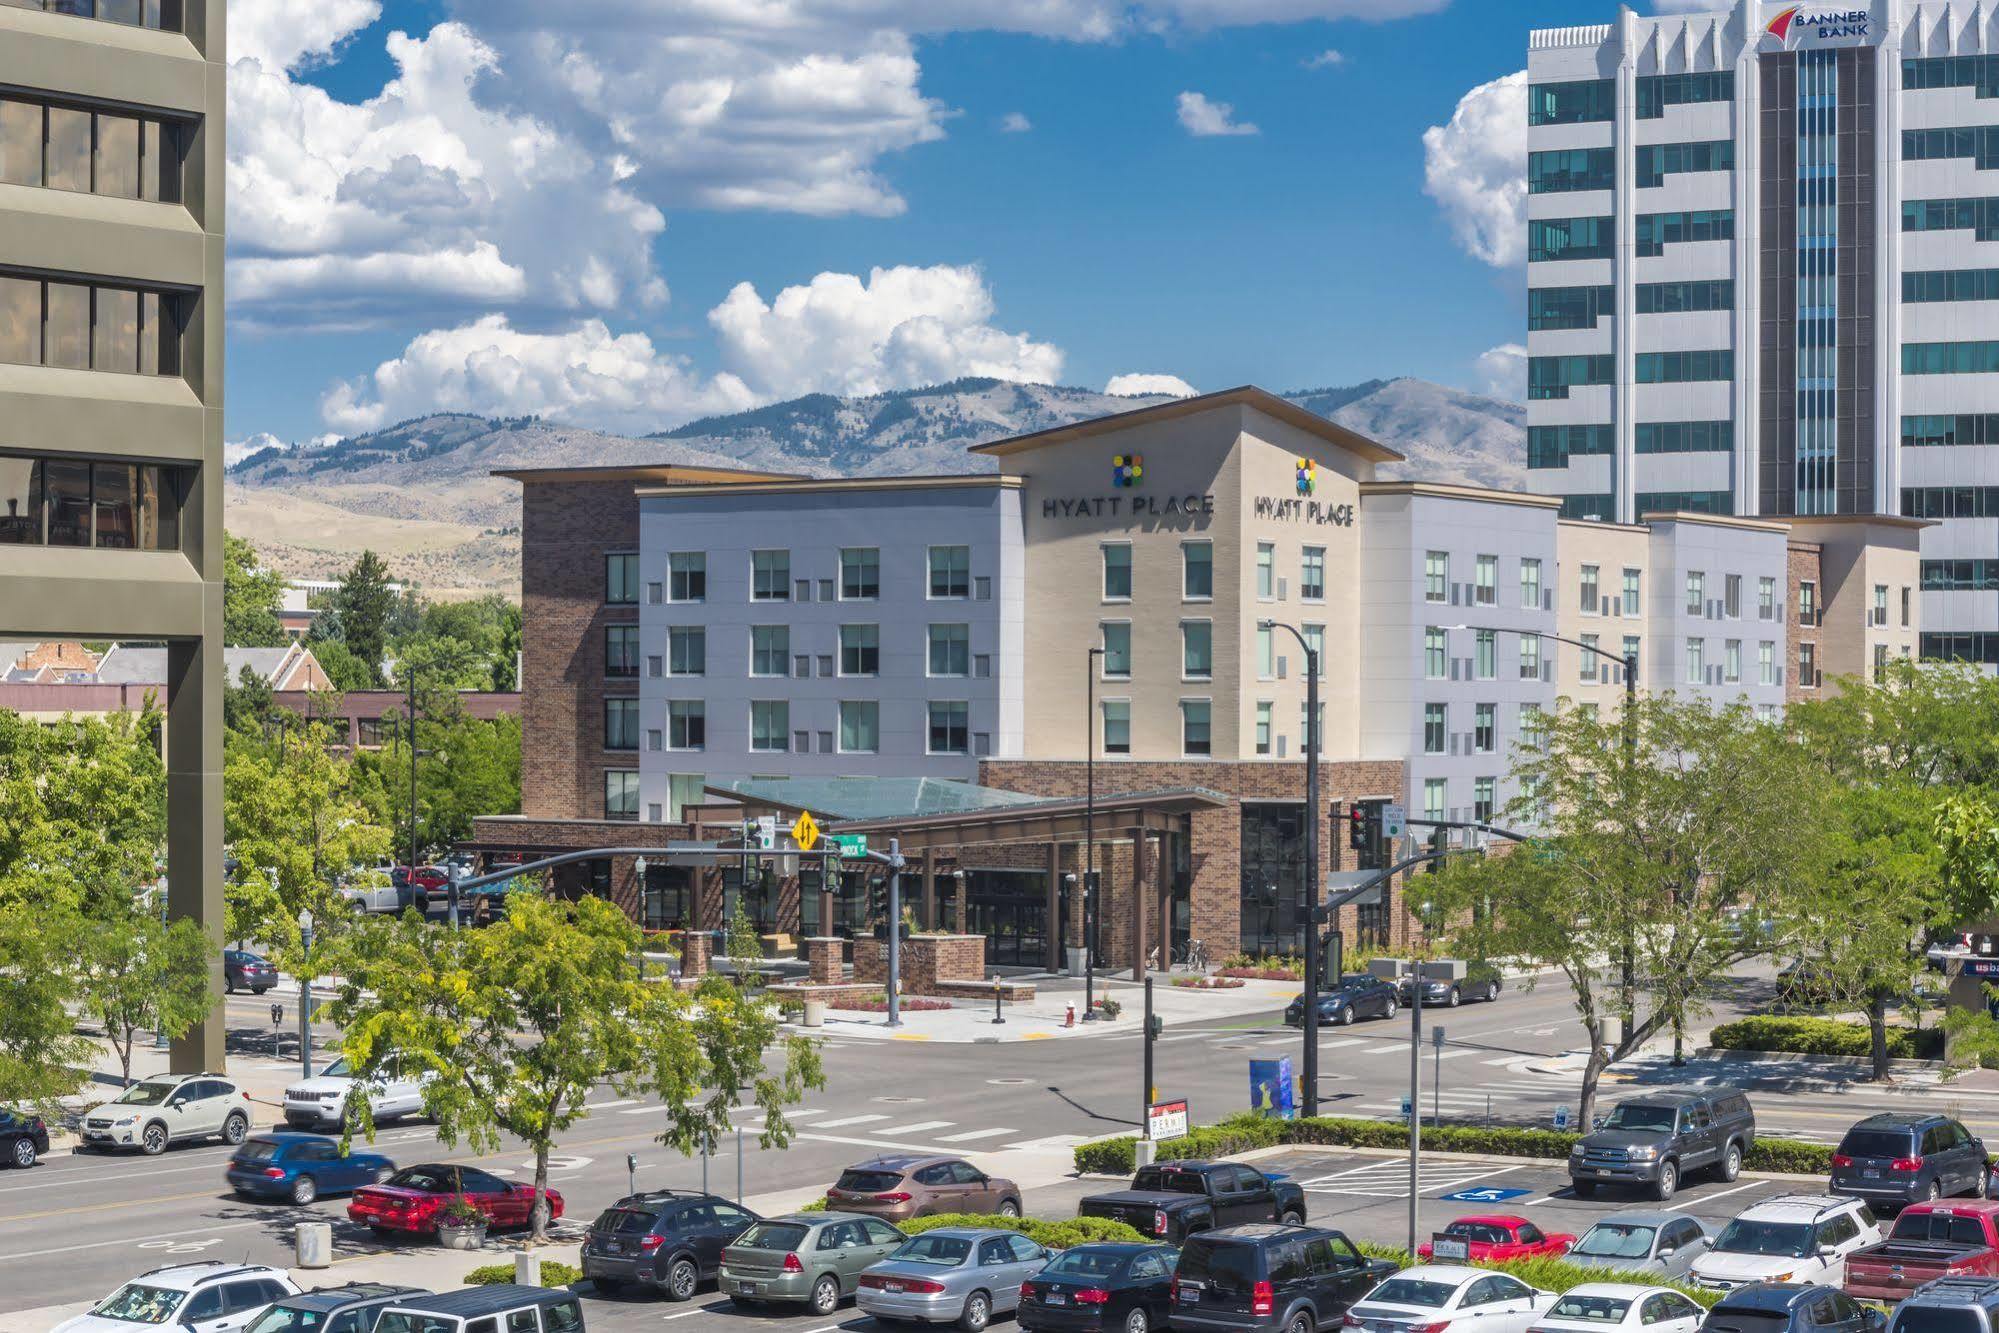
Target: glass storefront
column 1273, row 878
column 1010, row 908
column 667, row 902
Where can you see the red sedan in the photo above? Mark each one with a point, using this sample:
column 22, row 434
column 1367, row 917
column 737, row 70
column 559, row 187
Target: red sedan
column 411, row 1199
column 1500, row 1237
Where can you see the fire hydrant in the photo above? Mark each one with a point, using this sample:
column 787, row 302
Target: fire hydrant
column 1069, row 1020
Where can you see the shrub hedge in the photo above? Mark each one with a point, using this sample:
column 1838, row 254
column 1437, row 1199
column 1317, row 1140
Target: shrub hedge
column 553, row 1274
column 1824, row 1036
column 1055, row 1235
column 1244, row 1133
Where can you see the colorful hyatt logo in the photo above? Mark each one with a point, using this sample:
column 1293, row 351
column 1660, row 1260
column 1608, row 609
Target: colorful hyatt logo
column 1308, row 476
column 1127, row 470
column 1801, row 23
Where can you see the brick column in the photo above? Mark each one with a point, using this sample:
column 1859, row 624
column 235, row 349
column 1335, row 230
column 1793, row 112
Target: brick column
column 695, row 946
column 823, row 963
column 926, row 911
column 1141, row 891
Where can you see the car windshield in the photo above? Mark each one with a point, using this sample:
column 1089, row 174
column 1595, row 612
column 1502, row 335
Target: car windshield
column 146, row 1094
column 1890, row 1143
column 1616, row 1240
column 1593, row 1309
column 1413, row 1291
column 284, row 1319
column 138, row 1303
column 1356, row 981
column 257, row 1150
column 1484, row 1232
column 338, row 1069
column 1743, row 1236
column 856, row 1181
column 1933, row 1227
column 943, row 1251
column 771, row 1236
column 624, row 1222
column 1649, row 1119
column 1166, row 1180
column 1085, row 1262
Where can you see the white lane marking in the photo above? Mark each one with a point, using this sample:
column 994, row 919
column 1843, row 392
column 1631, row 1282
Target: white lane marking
column 1509, row 1059
column 1449, row 1054
column 1343, row 1041
column 849, row 1120
column 133, row 1242
column 1719, row 1194
column 1391, row 1048
column 916, row 1128
column 975, row 1134
column 1052, row 1141
column 642, row 1110
column 71, row 1179
column 605, row 1106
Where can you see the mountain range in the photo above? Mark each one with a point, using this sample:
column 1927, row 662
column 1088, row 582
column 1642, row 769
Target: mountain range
column 422, row 494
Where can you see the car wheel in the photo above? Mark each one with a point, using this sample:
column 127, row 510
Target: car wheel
column 1934, row 1192
column 154, row 1141
column 682, row 1278
column 1491, row 991
column 826, row 1295
column 1392, row 1010
column 258, row 990
column 1454, row 999
column 228, row 985
column 235, row 1129
column 1668, row 1182
column 978, row 1311
column 1009, row 1208
column 1731, row 1162
column 1136, row 1322
column 22, row 1153
column 304, row 1190
column 1346, row 1017
column 1291, row 1218
column 1300, row 1323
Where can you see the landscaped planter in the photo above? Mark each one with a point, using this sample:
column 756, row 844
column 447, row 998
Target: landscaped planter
column 1208, row 983
column 1261, row 974
column 461, row 1237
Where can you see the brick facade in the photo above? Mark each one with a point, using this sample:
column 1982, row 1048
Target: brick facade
column 1805, row 566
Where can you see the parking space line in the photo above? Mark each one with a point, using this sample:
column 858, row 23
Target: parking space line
column 975, row 1134
column 1719, row 1194
column 849, row 1120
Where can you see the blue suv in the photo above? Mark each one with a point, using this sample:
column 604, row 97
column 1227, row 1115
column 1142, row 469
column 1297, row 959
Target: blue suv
column 301, row 1167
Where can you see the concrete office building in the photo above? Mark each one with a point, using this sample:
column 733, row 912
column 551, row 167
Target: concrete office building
column 111, row 225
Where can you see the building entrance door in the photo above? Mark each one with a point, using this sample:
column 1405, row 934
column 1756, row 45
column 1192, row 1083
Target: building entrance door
column 1008, row 907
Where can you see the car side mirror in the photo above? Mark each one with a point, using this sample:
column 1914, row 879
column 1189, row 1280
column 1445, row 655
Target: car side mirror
column 1827, row 1251
column 1669, row 1251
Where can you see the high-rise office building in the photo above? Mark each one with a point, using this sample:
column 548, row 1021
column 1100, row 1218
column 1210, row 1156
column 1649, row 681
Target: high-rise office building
column 111, row 220
column 1762, row 280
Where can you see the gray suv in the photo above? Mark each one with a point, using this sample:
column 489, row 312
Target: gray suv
column 1652, row 1141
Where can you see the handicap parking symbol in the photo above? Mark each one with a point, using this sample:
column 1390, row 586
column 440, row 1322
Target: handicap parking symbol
column 1489, row 1194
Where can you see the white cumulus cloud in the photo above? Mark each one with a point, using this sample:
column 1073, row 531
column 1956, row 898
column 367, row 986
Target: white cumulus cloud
column 1327, row 59
column 1476, row 169
column 1205, row 119
column 1146, row 386
column 1502, row 372
column 1015, row 122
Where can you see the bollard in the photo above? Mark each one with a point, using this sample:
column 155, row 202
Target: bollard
column 312, row 1244
column 527, row 1269
column 997, row 1018
column 815, row 1013
column 1144, row 1152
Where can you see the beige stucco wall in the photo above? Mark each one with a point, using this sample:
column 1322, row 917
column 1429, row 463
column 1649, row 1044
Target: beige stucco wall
column 1857, row 555
column 1612, row 548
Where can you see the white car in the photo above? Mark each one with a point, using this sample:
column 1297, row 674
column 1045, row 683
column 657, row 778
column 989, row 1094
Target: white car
column 172, row 1108
column 374, row 891
column 1788, row 1238
column 1626, row 1306
column 214, row 1296
column 1446, row 1298
column 322, row 1102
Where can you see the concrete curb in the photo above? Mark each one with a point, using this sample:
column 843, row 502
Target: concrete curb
column 1257, row 1154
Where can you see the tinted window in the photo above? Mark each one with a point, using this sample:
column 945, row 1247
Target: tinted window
column 478, row 1182
column 1482, row 1292
column 425, row 1179
column 284, row 1319
column 994, row 1251
column 1287, row 1262
column 1935, row 1319
column 734, row 1219
column 1838, row 1230
column 967, row 1174
column 944, row 1251
column 204, row 1305
column 562, row 1317
column 1483, row 1233
column 694, row 1217
column 1087, row 1261
column 1732, row 1321
column 1645, row 1119
column 408, row 1321
column 868, row 1182
column 257, row 1150
column 624, row 1222
column 772, row 1236
column 1935, row 1140
column 1745, row 1237
column 880, row 1232
column 1938, row 1227
column 137, row 1303
column 1508, row 1289
column 1406, row 1291
column 1223, row 1267
column 841, row 1236
column 523, row 1321
column 939, row 1174
column 1616, row 1240
column 1168, row 1180
column 1876, row 1143
column 483, row 1326
column 1319, row 1255
column 1149, row 1265
column 1593, row 1309
column 1248, row 1179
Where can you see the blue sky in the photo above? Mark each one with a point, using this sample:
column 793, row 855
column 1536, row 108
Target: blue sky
column 385, row 245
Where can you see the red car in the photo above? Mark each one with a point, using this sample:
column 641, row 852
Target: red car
column 412, row 1198
column 1500, row 1237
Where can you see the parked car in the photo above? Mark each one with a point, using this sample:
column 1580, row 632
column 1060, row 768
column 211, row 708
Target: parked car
column 1621, row 1305
column 1480, row 982
column 412, row 1198
column 1357, row 995
column 1787, row 1238
column 1902, row 1157
column 1174, row 1200
column 301, row 1167
column 242, row 970
column 815, row 1258
column 1805, row 984
column 1950, row 1305
column 1929, row 1241
column 1289, row 1278
column 1663, row 1243
column 1444, row 1298
column 1790, row 1307
column 1106, row 1287
column 431, row 883
column 897, row 1188
column 174, row 1108
column 1654, row 1140
column 24, row 1137
column 349, row 1309
column 378, row 890
column 484, row 1310
column 953, row 1275
column 1500, row 1238
column 668, row 1240
column 326, row 1102
column 213, row 1296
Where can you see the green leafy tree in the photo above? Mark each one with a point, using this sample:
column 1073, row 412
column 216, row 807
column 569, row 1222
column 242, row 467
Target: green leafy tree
column 137, row 971
column 251, row 598
column 41, row 1055
column 522, row 1020
column 506, row 662
column 367, row 606
column 82, row 810
column 467, row 767
column 343, row 669
column 249, row 705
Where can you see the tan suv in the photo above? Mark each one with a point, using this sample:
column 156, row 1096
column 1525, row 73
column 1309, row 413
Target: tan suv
column 896, row 1189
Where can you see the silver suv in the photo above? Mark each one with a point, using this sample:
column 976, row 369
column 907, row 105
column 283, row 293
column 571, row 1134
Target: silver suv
column 172, row 1108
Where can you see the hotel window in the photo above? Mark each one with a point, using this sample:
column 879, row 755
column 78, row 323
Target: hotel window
column 1117, row 572
column 1696, row 661
column 85, row 326
column 655, row 739
column 687, row 650
column 1266, row 570
column 1312, row 574
column 950, row 728
column 1436, row 722
column 1880, row 664
column 1264, row 725
column 1436, row 651
column 950, row 573
column 1586, row 665
column 1485, row 585
column 1436, row 576
column 770, row 576
column 1533, row 726
column 687, row 576
column 1197, row 571
column 1633, row 600
column 1117, row 649
column 1766, row 599
column 1766, row 662
column 1880, row 604
column 770, row 726
column 770, row 650
column 1530, row 657
column 1117, row 726
column 1485, row 728
column 1197, row 649
column 1315, row 640
column 1433, row 798
column 60, row 148
column 1485, row 654
column 1731, row 661
column 1530, row 584
column 1630, row 653
column 1484, row 799
column 621, row 724
column 1588, row 590
column 621, row 651
column 1808, row 675
column 1266, row 653
column 950, row 650
column 1696, row 592
column 655, row 593
column 860, row 574
column 860, row 726
column 1731, row 596
column 1905, row 606
column 621, row 794
column 860, row 650
column 621, row 579
column 1194, row 726
column 1305, row 728
column 686, row 724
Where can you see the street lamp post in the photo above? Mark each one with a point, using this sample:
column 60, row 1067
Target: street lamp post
column 1090, row 841
column 305, row 991
column 1309, row 1014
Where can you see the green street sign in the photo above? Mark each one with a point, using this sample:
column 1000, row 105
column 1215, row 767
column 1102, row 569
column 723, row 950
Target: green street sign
column 852, row 846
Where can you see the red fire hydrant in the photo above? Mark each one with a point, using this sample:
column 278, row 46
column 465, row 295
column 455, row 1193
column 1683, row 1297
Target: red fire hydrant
column 1069, row 1020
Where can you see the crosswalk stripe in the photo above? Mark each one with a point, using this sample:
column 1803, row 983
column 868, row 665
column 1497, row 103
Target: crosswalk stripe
column 1343, row 1041
column 975, row 1134
column 847, row 1120
column 1389, row 1049
column 916, row 1128
column 1052, row 1141
column 605, row 1106
column 640, row 1110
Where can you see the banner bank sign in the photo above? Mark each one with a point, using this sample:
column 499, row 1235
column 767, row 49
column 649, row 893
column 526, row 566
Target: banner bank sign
column 1812, row 27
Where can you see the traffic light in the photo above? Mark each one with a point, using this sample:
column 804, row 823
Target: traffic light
column 1359, row 832
column 1440, row 841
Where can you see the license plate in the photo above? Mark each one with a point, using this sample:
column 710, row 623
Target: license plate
column 746, row 1288
column 1057, row 1298
column 892, row 1286
column 1190, row 1295
column 1871, row 1175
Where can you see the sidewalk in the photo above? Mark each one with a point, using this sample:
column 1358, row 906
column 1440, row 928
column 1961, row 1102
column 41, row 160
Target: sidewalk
column 1047, row 1015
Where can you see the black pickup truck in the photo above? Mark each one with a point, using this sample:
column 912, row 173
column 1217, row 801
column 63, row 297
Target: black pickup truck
column 1173, row 1200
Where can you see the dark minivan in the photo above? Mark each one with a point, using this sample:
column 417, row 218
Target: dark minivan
column 1270, row 1276
column 1907, row 1158
column 1106, row 1287
column 1950, row 1305
column 1790, row 1307
column 669, row 1240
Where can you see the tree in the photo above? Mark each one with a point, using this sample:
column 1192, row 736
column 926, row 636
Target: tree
column 366, row 605
column 248, row 703
column 344, row 671
column 139, row 971
column 251, row 598
column 1651, row 841
column 473, row 768
column 82, row 810
column 522, row 1020
column 41, row 1056
column 506, row 662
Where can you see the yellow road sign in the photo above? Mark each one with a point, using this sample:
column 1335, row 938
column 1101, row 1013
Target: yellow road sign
column 805, row 831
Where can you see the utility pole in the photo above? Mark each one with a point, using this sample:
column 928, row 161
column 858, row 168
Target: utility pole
column 894, row 932
column 1145, row 1111
column 1309, row 1013
column 1090, row 839
column 1415, row 1091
